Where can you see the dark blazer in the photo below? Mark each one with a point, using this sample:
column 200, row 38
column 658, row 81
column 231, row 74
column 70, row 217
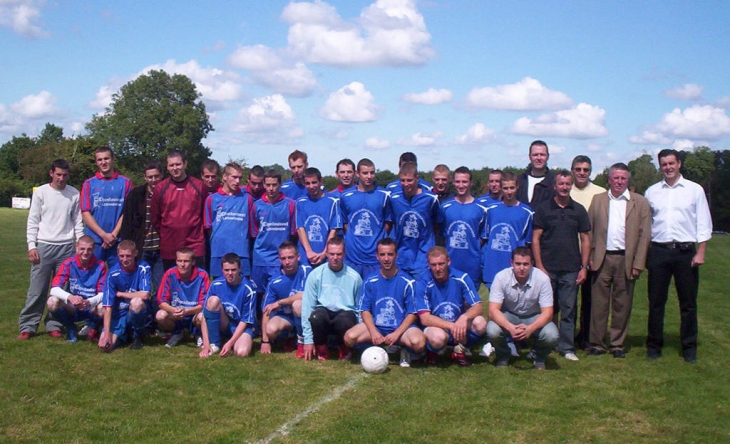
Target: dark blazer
column 543, row 191
column 135, row 212
column 638, row 230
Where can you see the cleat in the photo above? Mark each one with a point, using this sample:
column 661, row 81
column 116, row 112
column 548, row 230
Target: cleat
column 136, row 343
column 431, row 358
column 84, row 332
column 405, row 358
column 571, row 357
column 174, row 340
column 24, row 336
column 513, row 349
column 323, row 353
column 487, row 350
column 344, row 353
column 214, row 349
column 72, row 335
column 199, row 342
column 460, row 359
column 55, row 334
column 300, row 351
column 502, row 363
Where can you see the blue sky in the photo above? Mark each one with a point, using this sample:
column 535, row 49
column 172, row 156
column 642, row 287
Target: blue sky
column 456, row 82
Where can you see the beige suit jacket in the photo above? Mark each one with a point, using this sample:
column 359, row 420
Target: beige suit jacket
column 638, row 230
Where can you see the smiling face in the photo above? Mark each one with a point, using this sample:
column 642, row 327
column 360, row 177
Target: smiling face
column 84, row 250
column 582, row 174
column 409, row 184
column 670, row 166
column 563, row 184
column 313, row 186
column 345, row 175
column 210, row 178
column 462, row 184
column 127, row 259
column 386, row 255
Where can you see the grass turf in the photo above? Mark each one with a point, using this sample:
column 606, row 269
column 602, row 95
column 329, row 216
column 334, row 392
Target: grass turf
column 57, row 392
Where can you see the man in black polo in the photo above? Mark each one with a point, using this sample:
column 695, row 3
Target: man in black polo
column 557, row 226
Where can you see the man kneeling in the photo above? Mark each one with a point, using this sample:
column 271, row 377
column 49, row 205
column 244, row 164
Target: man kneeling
column 181, row 295
column 387, row 307
column 521, row 307
column 229, row 309
column 77, row 290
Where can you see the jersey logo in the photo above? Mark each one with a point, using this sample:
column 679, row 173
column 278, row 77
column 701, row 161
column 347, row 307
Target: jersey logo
column 502, row 238
column 459, row 239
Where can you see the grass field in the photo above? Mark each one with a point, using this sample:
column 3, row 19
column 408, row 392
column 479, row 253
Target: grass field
column 51, row 391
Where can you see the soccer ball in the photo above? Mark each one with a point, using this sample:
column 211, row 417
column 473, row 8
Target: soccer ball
column 374, row 360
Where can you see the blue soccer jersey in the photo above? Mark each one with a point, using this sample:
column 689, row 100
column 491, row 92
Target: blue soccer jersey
column 388, row 300
column 293, row 190
column 104, row 199
column 228, row 216
column 488, row 200
column 121, row 280
column 238, row 301
column 82, row 281
column 413, row 228
column 178, row 293
column 366, row 214
column 463, row 226
column 317, row 217
column 508, row 227
column 285, row 285
column 273, row 223
column 395, row 186
column 447, row 300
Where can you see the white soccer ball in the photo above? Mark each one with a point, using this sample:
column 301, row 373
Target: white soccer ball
column 374, row 360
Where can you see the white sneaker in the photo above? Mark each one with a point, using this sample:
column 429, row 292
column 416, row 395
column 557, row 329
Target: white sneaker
column 487, row 350
column 571, row 357
column 405, row 358
column 199, row 342
column 214, row 349
column 84, row 332
column 174, row 340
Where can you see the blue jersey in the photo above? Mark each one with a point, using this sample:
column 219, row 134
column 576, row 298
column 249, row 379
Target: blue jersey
column 79, row 281
column 395, row 187
column 389, row 301
column 488, row 200
column 178, row 293
column 508, row 227
column 238, row 301
column 273, row 223
column 293, row 190
column 413, row 228
column 120, row 280
column 447, row 300
column 463, row 226
column 104, row 199
column 365, row 213
column 228, row 216
column 317, row 217
column 285, row 285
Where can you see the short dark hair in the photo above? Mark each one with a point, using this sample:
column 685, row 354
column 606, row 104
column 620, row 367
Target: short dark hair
column 256, row 170
column 463, row 170
column 286, row 245
column 61, row 164
column 497, row 171
column 365, row 162
column 177, row 153
column 407, row 157
column 562, row 173
column 296, row 154
column 153, row 165
column 186, row 250
column 103, row 149
column 232, row 166
column 539, row 143
column 522, row 251
column 313, row 172
column 337, row 240
column 408, row 168
column 210, row 165
column 581, row 159
column 509, row 176
column 386, row 242
column 344, row 162
column 231, row 258
column 272, row 173
column 666, row 152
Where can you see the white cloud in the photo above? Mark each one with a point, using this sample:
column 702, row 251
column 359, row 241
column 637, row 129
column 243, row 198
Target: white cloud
column 431, row 97
column 351, row 103
column 650, row 138
column 36, row 106
column 255, row 58
column 270, row 70
column 723, row 102
column 23, row 17
column 373, row 143
column 688, row 91
column 557, row 149
column 421, row 140
column 697, row 122
column 582, row 122
column 388, row 32
column 268, row 120
column 477, row 134
column 594, row 148
column 526, row 95
column 683, row 145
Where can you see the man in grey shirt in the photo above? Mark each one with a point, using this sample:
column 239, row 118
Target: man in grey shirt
column 521, row 308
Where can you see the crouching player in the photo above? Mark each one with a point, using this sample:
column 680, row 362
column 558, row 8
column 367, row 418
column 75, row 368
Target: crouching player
column 181, row 295
column 387, row 307
column 229, row 309
column 126, row 300
column 282, row 304
column 441, row 300
column 77, row 290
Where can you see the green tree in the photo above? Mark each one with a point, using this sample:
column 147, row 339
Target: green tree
column 152, row 115
column 643, row 173
column 10, row 153
column 720, row 191
column 699, row 165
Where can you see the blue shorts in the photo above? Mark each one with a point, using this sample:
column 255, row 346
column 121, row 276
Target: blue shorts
column 262, row 274
column 216, row 266
column 288, row 317
column 364, row 270
column 108, row 255
column 232, row 325
column 386, row 331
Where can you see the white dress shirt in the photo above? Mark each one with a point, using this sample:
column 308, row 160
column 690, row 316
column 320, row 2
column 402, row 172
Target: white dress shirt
column 616, row 232
column 679, row 213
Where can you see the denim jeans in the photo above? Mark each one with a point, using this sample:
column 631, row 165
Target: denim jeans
column 545, row 337
column 565, row 301
column 153, row 259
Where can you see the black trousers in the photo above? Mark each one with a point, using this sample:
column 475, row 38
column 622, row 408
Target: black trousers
column 326, row 322
column 663, row 264
column 581, row 340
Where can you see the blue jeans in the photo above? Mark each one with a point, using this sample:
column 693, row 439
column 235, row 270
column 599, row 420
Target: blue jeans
column 153, row 259
column 545, row 337
column 565, row 301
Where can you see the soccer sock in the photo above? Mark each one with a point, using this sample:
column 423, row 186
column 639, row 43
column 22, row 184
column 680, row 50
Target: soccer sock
column 178, row 327
column 138, row 322
column 298, row 327
column 213, row 321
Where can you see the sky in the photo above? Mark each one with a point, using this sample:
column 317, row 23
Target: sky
column 468, row 82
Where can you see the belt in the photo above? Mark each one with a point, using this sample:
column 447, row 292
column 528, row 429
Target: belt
column 674, row 245
column 616, row 252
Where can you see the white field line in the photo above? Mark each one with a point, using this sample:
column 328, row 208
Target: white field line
column 336, row 393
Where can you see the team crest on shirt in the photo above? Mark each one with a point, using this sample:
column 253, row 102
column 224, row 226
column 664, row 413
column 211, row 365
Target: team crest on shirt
column 502, row 238
column 459, row 233
column 315, row 225
column 386, row 316
column 447, row 311
column 411, row 223
column 231, row 310
column 365, row 219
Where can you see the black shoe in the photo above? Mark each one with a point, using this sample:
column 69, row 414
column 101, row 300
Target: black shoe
column 136, row 343
column 653, row 353
column 690, row 356
column 618, row 354
column 595, row 352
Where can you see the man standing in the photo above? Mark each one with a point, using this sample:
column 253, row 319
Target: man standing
column 78, row 289
column 535, row 185
column 137, row 223
column 345, row 172
column 209, row 175
column 294, row 188
column 558, row 224
column 177, row 212
column 329, row 303
column 462, row 221
column 680, row 218
column 449, row 308
column 255, row 185
column 102, row 204
column 415, row 211
column 407, row 157
column 493, row 190
column 54, row 221
column 317, row 219
column 388, row 308
column 582, row 192
column 441, row 179
column 620, row 234
column 366, row 218
column 521, row 308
